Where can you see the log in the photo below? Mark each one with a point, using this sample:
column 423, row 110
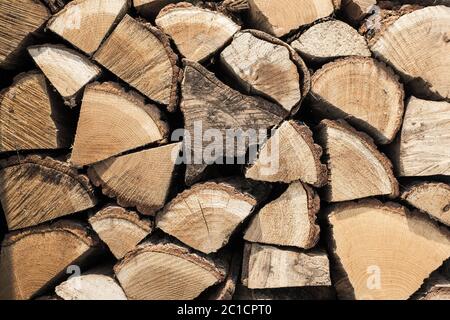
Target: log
column 67, row 70
column 264, row 65
column 167, row 271
column 266, row 267
column 198, row 33
column 31, row 118
column 423, row 147
column 55, row 5
column 364, row 92
column 150, row 8
column 289, row 155
column 32, row 260
column 151, row 65
column 356, row 10
column 356, row 168
column 329, row 40
column 86, row 23
column 289, row 220
column 34, row 190
column 141, row 179
column 113, row 121
column 120, row 229
column 422, row 61
column 300, row 293
column 205, row 216
column 430, row 197
column 281, row 17
column 19, row 21
column 217, row 106
column 386, row 251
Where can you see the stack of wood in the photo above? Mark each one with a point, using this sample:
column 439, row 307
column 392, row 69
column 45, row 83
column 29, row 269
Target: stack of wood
column 104, row 196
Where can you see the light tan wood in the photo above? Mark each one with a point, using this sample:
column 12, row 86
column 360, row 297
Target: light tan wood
column 35, row 189
column 266, row 267
column 120, row 229
column 34, row 259
column 198, row 33
column 113, row 121
column 141, row 179
column 364, row 92
column 151, row 8
column 356, row 10
column 356, row 169
column 289, row 155
column 85, row 23
column 423, row 148
column 150, row 66
column 167, row 271
column 386, row 251
column 289, row 220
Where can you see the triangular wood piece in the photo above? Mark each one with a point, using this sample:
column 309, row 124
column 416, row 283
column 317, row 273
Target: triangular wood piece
column 384, row 251
column 289, row 220
column 362, row 91
column 120, row 229
column 113, row 121
column 32, row 260
column 198, row 33
column 141, row 179
column 35, row 189
column 356, row 169
column 85, row 23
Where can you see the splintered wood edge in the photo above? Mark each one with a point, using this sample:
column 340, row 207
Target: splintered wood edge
column 116, row 212
column 313, row 210
column 22, row 77
column 418, row 186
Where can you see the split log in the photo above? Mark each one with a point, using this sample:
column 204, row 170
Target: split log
column 416, row 45
column 330, row 40
column 423, row 148
column 85, row 23
column 430, row 197
column 437, row 287
column 289, row 155
column 31, row 118
column 34, row 259
column 198, row 33
column 55, row 5
column 214, row 105
column 120, row 229
column 356, row 10
column 19, row 20
column 356, row 168
column 267, row 267
column 150, row 66
column 300, row 293
column 113, row 121
column 67, row 70
column 385, row 251
column 141, row 179
column 264, row 65
column 289, row 220
column 205, row 216
column 150, row 8
column 280, row 17
column 364, row 92
column 35, row 189
column 167, row 271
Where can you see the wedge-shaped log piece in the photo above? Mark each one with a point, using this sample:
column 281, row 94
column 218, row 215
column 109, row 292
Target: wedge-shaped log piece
column 289, row 220
column 205, row 216
column 356, row 169
column 140, row 55
column 198, row 33
column 166, row 271
column 385, row 251
column 35, row 189
column 329, row 40
column 113, row 121
column 356, row 10
column 34, row 259
column 120, row 229
column 289, row 155
column 141, row 179
column 151, row 8
column 85, row 23
column 267, row 267
column 423, row 148
column 30, row 117
column 423, row 61
column 364, row 92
